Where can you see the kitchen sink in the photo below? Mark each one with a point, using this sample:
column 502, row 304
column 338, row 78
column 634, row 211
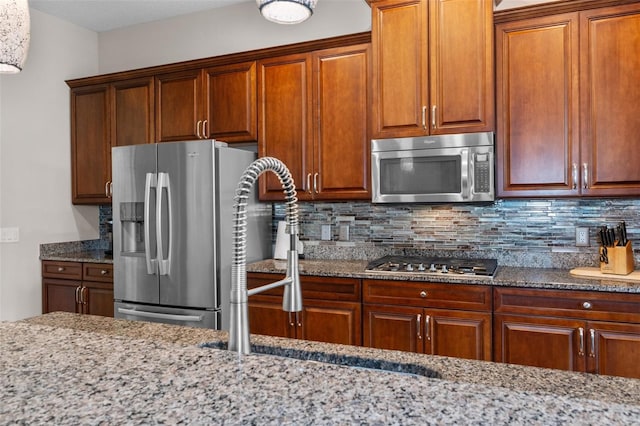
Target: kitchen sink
column 351, row 361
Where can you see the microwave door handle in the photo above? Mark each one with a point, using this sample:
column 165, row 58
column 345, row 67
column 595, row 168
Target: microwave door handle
column 466, row 165
column 150, row 182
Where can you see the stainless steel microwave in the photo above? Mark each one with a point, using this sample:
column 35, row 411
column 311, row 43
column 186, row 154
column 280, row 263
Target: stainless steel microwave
column 433, row 169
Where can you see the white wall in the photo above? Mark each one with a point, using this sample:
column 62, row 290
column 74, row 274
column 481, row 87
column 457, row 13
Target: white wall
column 35, row 182
column 225, row 30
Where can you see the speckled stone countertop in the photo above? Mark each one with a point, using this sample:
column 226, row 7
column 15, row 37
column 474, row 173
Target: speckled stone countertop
column 64, row 368
column 90, row 251
column 505, row 276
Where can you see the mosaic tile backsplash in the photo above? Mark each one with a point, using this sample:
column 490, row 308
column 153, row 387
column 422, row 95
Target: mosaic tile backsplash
column 539, row 233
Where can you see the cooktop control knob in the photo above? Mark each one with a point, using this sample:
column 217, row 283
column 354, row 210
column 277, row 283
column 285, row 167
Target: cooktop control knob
column 444, row 269
column 432, row 268
column 409, row 267
column 421, row 267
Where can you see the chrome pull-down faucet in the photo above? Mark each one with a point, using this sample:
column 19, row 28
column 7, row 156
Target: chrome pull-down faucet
column 292, row 299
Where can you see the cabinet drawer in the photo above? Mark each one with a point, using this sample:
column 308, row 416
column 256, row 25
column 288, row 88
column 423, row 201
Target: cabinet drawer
column 411, row 293
column 313, row 287
column 63, row 270
column 622, row 307
column 97, row 272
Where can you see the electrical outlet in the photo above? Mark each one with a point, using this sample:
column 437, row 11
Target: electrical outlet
column 582, row 237
column 344, row 233
column 325, row 233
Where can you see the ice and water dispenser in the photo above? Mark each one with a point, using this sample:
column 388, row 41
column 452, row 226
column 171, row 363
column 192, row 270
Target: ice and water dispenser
column 132, row 227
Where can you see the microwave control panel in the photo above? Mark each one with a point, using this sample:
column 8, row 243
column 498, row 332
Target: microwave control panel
column 481, row 173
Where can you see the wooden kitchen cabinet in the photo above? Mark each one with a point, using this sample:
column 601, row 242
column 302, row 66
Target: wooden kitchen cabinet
column 85, row 288
column 567, row 103
column 179, row 106
column 433, row 67
column 217, row 102
column 133, row 114
column 609, row 93
column 568, row 330
column 331, row 310
column 537, row 96
column 104, row 116
column 90, row 144
column 313, row 115
column 437, row 319
column 232, row 104
column 285, row 121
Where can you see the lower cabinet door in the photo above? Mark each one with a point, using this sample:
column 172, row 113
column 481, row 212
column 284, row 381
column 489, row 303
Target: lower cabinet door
column 540, row 341
column 459, row 334
column 331, row 322
column 60, row 295
column 613, row 349
column 393, row 327
column 269, row 319
column 97, row 298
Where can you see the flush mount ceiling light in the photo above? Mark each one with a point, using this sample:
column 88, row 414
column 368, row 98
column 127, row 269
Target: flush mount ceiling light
column 286, row 11
column 14, row 35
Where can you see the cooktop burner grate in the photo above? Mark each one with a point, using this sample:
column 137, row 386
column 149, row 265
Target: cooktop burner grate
column 434, row 265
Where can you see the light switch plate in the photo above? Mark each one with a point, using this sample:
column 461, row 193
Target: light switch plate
column 9, row 235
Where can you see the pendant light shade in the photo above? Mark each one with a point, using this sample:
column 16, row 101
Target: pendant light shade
column 286, row 11
column 14, row 35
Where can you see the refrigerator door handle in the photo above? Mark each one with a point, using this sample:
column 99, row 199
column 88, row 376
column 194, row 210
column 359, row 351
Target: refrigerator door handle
column 152, row 264
column 158, row 315
column 164, row 264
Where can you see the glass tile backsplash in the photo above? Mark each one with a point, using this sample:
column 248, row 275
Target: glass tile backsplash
column 517, row 232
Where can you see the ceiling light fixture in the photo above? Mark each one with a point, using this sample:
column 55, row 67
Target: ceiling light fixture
column 286, row 11
column 14, row 35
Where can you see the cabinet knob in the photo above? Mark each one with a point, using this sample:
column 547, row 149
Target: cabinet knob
column 423, row 294
column 104, row 272
column 60, row 268
column 587, row 305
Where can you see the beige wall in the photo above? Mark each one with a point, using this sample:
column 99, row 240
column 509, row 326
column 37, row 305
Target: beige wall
column 34, row 158
column 34, row 115
column 230, row 29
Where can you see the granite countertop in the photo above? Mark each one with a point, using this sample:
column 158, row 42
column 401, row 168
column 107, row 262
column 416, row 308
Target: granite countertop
column 89, row 256
column 90, row 251
column 64, row 368
column 505, row 276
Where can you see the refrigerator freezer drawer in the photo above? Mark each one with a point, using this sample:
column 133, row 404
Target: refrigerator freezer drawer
column 167, row 315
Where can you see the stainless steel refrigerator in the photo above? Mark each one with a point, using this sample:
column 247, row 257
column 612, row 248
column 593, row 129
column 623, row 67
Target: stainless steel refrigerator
column 172, row 231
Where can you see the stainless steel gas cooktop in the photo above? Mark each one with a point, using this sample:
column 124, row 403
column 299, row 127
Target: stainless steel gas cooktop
column 434, row 265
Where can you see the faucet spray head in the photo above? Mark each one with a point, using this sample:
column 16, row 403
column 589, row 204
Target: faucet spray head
column 292, row 298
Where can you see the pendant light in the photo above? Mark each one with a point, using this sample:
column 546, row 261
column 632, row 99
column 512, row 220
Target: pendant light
column 14, row 35
column 286, row 11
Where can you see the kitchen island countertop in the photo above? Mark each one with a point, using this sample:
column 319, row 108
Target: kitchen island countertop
column 64, row 368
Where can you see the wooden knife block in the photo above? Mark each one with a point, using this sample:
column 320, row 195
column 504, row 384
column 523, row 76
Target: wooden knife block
column 620, row 260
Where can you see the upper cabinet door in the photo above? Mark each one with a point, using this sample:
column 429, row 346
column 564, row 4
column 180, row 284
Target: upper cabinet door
column 341, row 137
column 285, row 121
column 400, row 69
column 232, row 104
column 132, row 118
column 537, row 99
column 433, row 67
column 610, row 97
column 179, row 107
column 90, row 145
column 461, row 66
